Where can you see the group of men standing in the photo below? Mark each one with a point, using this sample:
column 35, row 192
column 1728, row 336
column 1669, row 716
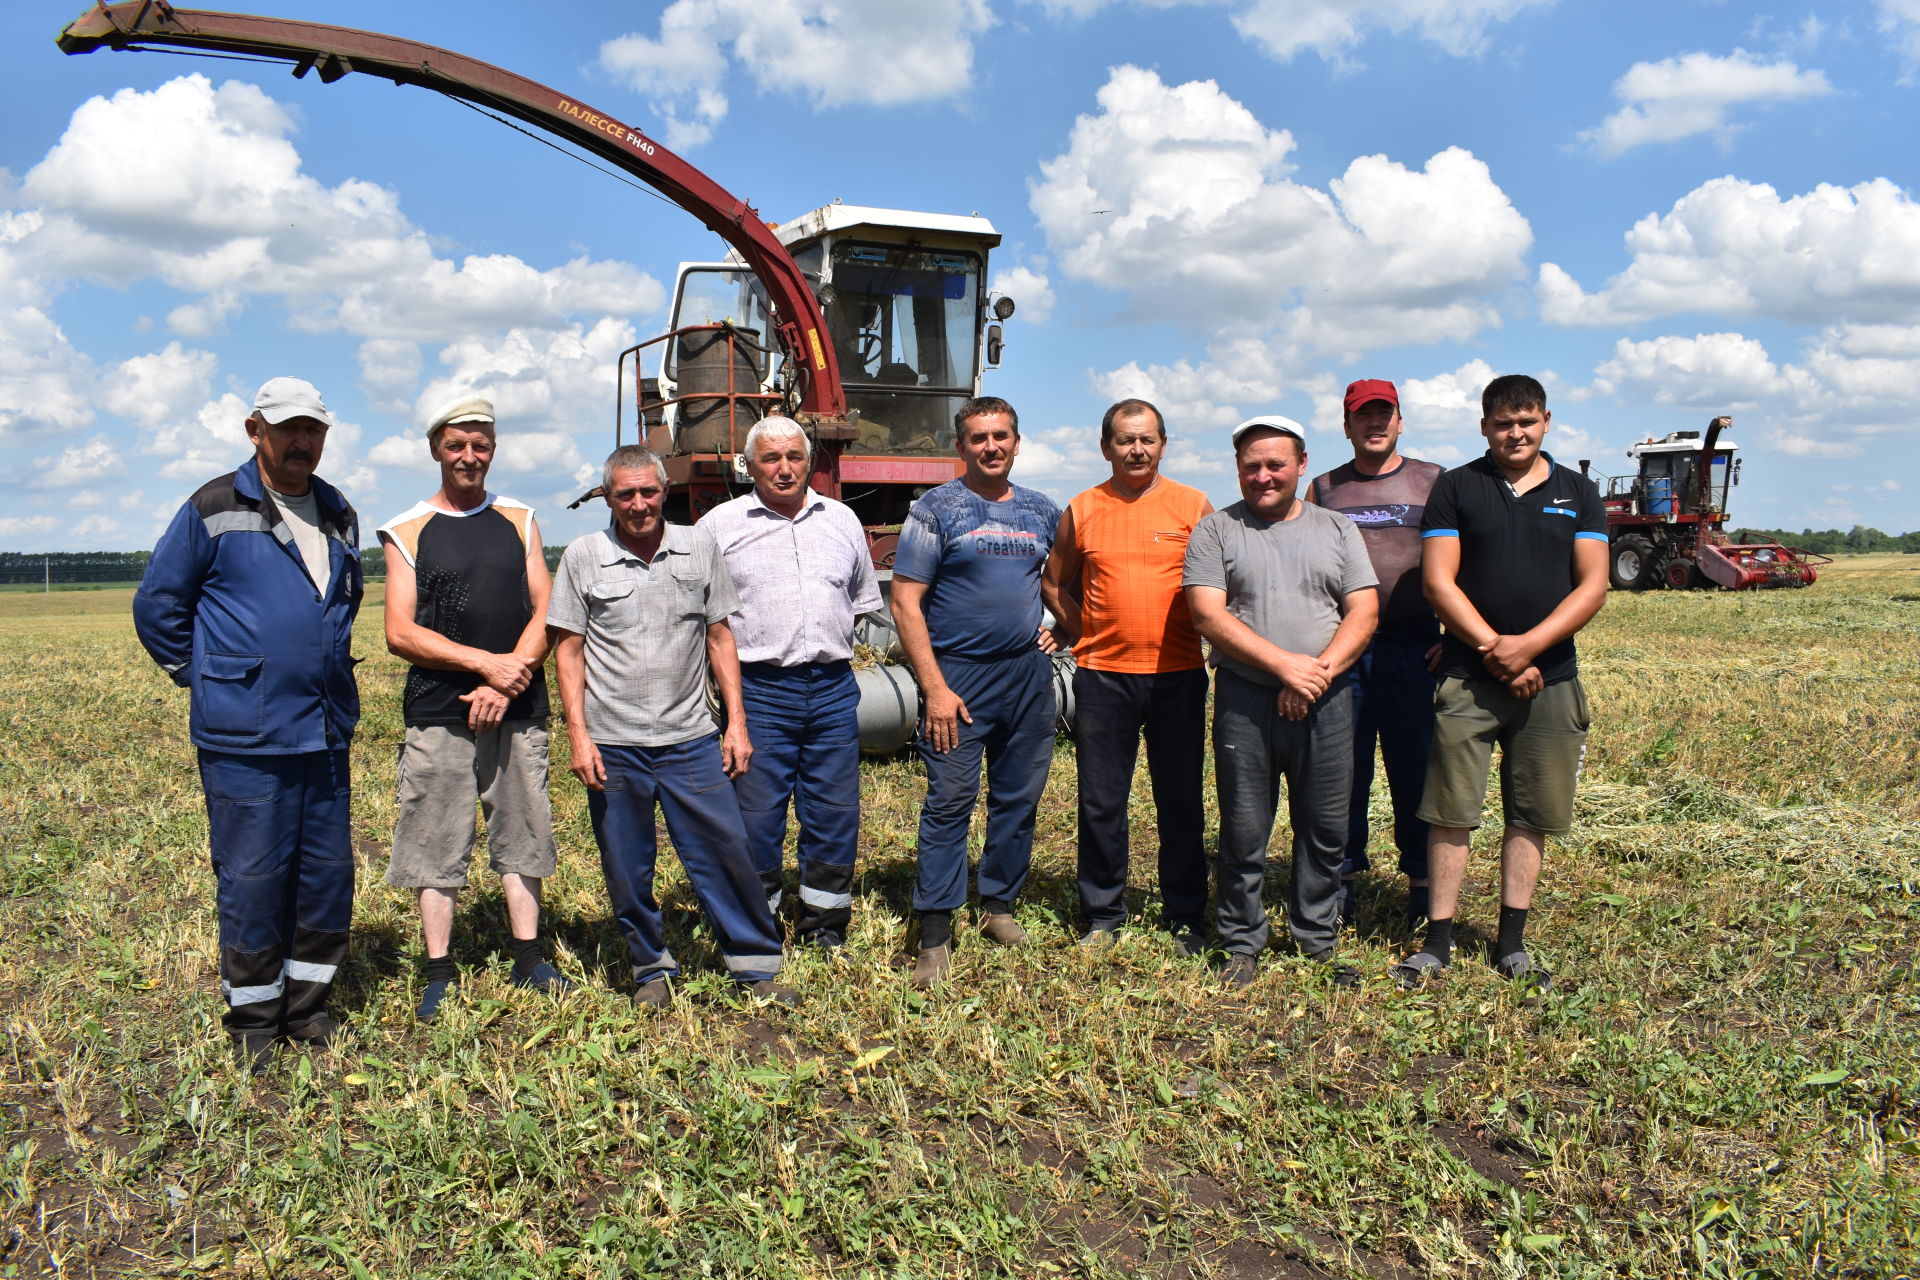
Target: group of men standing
column 1323, row 612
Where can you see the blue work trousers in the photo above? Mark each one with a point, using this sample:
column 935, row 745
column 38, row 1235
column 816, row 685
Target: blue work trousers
column 805, row 725
column 686, row 782
column 280, row 835
column 1392, row 703
column 1011, row 702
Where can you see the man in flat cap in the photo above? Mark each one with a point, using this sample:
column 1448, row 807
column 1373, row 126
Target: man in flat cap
column 1285, row 594
column 467, row 589
column 249, row 603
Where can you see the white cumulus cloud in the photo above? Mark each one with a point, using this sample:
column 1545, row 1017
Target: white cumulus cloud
column 1030, row 290
column 201, row 187
column 1900, row 19
column 88, row 462
column 1679, row 97
column 1731, row 247
column 1716, row 371
column 835, row 52
column 1331, row 28
column 1180, row 196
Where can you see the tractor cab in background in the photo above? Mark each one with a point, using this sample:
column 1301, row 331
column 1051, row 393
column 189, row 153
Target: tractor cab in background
column 912, row 325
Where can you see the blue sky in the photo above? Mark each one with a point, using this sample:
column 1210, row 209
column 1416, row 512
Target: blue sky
column 1666, row 211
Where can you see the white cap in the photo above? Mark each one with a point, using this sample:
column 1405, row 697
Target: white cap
column 463, row 408
column 1273, row 422
column 283, row 398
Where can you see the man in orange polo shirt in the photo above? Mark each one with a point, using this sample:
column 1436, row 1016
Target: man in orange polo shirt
column 1113, row 582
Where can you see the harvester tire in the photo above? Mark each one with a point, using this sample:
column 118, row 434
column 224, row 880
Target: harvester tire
column 1684, row 575
column 1631, row 565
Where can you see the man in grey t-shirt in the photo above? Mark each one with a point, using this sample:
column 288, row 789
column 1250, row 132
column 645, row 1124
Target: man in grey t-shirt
column 1285, row 594
column 638, row 615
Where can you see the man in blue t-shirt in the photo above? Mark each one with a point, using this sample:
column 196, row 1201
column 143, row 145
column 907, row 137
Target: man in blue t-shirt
column 966, row 598
column 1515, row 564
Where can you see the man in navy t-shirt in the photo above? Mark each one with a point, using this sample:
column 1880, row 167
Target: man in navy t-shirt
column 966, row 598
column 1515, row 563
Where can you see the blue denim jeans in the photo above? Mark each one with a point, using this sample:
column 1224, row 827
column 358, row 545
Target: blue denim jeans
column 1392, row 702
column 281, row 838
column 1011, row 702
column 686, row 783
column 805, row 725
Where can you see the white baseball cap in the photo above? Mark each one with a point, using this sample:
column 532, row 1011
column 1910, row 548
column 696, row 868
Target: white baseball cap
column 1273, row 422
column 282, row 398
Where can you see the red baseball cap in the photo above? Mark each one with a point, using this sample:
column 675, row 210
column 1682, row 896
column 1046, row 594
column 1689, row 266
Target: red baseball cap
column 1370, row 389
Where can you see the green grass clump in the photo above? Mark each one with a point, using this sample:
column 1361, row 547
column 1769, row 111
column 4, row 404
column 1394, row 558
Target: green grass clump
column 1723, row 1084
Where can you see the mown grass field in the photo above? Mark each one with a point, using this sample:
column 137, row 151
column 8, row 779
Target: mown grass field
column 1723, row 1084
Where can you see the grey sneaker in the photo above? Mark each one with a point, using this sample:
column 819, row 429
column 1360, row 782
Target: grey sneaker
column 1098, row 939
column 654, row 993
column 1239, row 971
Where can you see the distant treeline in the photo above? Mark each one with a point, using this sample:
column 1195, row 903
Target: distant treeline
column 1828, row 542
column 73, row 566
column 127, row 566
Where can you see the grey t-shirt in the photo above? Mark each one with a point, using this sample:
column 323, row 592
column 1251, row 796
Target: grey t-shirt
column 303, row 518
column 1284, row 578
column 646, row 632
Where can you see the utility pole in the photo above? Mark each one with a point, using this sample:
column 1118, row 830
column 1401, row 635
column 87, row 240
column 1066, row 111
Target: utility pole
column 46, row 567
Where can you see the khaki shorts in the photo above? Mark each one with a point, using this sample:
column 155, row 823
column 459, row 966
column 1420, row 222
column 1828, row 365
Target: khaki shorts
column 443, row 767
column 1542, row 742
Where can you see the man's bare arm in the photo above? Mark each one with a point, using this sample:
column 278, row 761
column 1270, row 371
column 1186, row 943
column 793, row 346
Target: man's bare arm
column 944, row 709
column 1060, row 583
column 532, row 644
column 1304, row 673
column 723, row 659
column 570, row 668
column 1509, row 656
column 1440, row 578
column 1359, row 615
column 506, row 673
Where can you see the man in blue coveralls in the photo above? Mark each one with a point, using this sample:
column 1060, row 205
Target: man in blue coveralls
column 248, row 603
column 966, row 598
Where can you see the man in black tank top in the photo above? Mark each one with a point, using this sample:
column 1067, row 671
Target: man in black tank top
column 1385, row 493
column 467, row 589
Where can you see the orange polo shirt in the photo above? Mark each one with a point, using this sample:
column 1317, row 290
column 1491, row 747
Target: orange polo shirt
column 1134, row 615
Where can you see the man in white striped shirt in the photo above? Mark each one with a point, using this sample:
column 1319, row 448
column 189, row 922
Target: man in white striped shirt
column 801, row 566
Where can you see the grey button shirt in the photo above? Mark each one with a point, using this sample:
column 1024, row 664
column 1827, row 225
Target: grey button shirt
column 646, row 632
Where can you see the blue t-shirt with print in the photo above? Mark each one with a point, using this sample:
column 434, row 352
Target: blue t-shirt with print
column 981, row 562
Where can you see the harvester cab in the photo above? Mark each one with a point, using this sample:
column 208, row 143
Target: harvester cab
column 1666, row 523
column 912, row 328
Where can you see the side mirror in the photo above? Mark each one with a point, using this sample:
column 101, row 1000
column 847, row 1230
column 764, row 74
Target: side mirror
column 996, row 345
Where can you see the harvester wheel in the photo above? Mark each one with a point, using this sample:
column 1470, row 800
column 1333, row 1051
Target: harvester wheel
column 1631, row 567
column 1683, row 575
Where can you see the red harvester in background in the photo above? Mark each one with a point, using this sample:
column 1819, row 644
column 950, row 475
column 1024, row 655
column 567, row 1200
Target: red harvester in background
column 1667, row 524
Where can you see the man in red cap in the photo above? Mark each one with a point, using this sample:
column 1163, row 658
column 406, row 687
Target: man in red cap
column 1384, row 493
